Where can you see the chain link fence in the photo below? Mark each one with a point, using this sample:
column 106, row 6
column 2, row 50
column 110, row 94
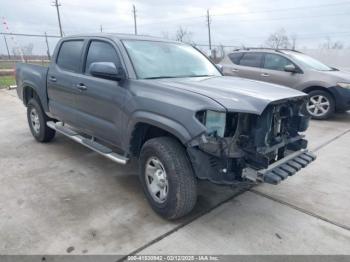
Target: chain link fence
column 28, row 48
column 25, row 48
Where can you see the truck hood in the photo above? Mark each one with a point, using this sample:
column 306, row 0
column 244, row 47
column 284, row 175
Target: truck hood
column 233, row 93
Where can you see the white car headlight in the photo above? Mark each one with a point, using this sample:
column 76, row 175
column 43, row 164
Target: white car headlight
column 344, row 85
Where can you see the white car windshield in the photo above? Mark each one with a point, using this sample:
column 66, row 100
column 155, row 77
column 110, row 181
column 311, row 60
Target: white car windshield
column 155, row 59
column 309, row 62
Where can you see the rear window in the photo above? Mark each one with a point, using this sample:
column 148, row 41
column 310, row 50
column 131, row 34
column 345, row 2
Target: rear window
column 69, row 56
column 235, row 57
column 251, row 59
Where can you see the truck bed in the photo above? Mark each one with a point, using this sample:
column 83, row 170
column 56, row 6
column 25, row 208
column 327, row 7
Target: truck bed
column 34, row 76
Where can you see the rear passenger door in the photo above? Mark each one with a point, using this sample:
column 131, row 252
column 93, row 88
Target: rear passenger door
column 273, row 70
column 246, row 65
column 231, row 64
column 100, row 103
column 63, row 73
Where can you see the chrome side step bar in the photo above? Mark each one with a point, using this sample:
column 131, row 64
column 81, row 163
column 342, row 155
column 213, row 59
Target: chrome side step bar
column 93, row 145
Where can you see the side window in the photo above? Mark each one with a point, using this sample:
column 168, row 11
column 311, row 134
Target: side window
column 251, row 59
column 235, row 57
column 276, row 62
column 69, row 56
column 101, row 52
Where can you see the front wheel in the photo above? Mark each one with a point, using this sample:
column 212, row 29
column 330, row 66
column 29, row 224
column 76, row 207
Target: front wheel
column 321, row 105
column 167, row 177
column 37, row 122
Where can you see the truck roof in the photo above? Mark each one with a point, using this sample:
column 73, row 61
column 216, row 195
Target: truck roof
column 122, row 37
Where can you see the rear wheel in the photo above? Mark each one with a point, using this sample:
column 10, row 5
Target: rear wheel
column 167, row 177
column 321, row 105
column 37, row 122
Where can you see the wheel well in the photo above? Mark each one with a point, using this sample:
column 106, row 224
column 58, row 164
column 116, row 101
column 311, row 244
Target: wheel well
column 143, row 132
column 28, row 94
column 313, row 88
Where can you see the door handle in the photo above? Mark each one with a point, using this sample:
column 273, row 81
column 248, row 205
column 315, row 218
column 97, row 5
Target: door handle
column 52, row 79
column 234, row 70
column 265, row 74
column 81, row 87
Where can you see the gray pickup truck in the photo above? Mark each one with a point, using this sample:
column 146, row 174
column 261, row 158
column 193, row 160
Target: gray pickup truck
column 166, row 104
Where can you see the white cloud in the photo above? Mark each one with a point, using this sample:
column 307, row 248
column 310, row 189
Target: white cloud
column 233, row 22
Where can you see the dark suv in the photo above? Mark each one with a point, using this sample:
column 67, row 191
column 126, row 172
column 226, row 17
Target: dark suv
column 328, row 88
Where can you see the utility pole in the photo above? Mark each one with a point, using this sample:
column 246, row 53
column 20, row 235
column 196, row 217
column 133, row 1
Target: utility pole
column 57, row 5
column 47, row 47
column 208, row 24
column 134, row 12
column 101, row 29
column 7, row 47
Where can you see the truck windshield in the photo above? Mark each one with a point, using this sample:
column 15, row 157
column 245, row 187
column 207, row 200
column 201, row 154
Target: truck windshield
column 310, row 62
column 152, row 59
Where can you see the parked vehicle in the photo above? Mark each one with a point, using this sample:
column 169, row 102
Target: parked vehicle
column 328, row 88
column 166, row 104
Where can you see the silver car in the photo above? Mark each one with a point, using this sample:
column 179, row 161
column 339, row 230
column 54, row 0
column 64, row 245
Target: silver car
column 328, row 88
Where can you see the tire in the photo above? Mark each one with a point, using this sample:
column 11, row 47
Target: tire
column 180, row 182
column 321, row 105
column 37, row 122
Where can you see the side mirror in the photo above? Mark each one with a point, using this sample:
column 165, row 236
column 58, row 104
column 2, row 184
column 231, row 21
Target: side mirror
column 290, row 68
column 106, row 70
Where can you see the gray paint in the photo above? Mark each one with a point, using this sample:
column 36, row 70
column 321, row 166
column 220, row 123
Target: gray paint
column 110, row 109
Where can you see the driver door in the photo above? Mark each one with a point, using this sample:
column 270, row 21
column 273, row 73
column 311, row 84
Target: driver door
column 273, row 71
column 100, row 101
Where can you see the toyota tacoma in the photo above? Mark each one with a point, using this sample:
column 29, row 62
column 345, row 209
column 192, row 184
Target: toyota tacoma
column 168, row 105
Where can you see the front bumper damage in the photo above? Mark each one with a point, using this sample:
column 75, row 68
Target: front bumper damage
column 266, row 148
column 228, row 171
column 281, row 169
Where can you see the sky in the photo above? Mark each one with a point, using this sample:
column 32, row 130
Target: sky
column 233, row 22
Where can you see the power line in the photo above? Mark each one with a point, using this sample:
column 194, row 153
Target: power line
column 283, row 9
column 300, row 36
column 166, row 21
column 293, row 18
column 254, row 20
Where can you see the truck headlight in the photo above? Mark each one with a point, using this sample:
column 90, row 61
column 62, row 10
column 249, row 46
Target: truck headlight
column 344, row 85
column 214, row 121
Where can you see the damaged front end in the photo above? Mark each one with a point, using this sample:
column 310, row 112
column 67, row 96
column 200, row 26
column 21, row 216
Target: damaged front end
column 240, row 147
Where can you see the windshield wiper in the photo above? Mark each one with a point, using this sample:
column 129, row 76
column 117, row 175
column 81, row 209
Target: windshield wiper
column 199, row 75
column 159, row 77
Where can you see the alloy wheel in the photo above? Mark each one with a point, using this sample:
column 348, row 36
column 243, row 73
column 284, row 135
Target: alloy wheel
column 318, row 105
